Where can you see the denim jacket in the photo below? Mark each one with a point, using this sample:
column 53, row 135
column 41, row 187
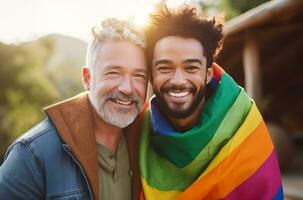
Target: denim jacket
column 38, row 165
column 57, row 159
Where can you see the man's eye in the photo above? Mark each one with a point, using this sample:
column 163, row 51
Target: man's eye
column 141, row 76
column 112, row 73
column 164, row 69
column 192, row 69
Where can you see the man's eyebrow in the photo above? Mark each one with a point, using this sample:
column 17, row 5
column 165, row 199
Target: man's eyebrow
column 192, row 60
column 141, row 71
column 110, row 67
column 162, row 62
column 117, row 67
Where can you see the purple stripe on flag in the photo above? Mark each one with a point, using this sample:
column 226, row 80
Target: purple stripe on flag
column 262, row 185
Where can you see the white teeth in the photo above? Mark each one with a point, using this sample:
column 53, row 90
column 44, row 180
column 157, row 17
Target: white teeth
column 178, row 94
column 122, row 102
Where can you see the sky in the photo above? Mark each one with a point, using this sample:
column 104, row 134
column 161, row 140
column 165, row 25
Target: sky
column 25, row 20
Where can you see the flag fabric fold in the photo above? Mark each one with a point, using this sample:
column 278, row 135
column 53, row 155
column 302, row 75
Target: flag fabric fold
column 227, row 155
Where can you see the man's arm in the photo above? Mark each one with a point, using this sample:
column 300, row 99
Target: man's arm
column 20, row 174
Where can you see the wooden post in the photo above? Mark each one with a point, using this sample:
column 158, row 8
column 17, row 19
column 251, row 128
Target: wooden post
column 252, row 70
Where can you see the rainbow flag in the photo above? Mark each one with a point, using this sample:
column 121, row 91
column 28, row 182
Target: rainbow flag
column 227, row 155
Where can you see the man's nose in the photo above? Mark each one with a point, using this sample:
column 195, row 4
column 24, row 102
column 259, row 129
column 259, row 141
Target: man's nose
column 178, row 78
column 126, row 85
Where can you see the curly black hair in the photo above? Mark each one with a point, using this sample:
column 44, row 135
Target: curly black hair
column 184, row 22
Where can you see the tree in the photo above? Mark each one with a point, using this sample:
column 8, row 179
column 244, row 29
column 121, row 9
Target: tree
column 234, row 8
column 230, row 8
column 24, row 88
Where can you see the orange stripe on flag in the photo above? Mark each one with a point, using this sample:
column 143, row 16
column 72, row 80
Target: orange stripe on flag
column 234, row 169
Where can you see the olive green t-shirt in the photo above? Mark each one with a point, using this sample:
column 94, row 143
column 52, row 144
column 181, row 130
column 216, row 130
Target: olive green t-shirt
column 114, row 172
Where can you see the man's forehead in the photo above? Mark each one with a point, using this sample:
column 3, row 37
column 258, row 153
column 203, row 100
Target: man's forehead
column 111, row 48
column 120, row 54
column 184, row 48
column 178, row 41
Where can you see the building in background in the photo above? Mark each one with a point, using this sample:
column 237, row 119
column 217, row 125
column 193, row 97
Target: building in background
column 263, row 52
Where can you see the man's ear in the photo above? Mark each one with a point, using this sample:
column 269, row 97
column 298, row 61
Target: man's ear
column 86, row 77
column 209, row 73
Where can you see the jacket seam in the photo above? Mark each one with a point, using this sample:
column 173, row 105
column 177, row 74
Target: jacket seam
column 31, row 139
column 35, row 157
column 27, row 141
column 67, row 193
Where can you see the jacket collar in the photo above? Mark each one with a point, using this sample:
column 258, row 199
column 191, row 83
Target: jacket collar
column 73, row 119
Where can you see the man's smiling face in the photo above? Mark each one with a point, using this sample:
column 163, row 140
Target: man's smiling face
column 179, row 75
column 117, row 85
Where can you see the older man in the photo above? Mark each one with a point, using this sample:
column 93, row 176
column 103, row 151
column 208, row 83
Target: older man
column 81, row 150
column 203, row 137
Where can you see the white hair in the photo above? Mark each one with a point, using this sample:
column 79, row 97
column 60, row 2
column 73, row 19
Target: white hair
column 110, row 30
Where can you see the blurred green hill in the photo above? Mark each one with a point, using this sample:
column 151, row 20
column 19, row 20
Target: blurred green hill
column 33, row 75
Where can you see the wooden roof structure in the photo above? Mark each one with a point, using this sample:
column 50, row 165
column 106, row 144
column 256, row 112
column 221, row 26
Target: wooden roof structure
column 263, row 51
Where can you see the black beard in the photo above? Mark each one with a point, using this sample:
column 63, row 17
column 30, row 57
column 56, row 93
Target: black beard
column 180, row 114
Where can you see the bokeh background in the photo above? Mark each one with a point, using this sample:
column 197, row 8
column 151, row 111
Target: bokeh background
column 43, row 46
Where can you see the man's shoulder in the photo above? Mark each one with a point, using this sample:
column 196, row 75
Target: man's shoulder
column 42, row 130
column 42, row 140
column 43, row 137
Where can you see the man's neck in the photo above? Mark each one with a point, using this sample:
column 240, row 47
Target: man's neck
column 184, row 124
column 106, row 134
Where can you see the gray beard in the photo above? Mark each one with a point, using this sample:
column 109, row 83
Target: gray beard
column 120, row 118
